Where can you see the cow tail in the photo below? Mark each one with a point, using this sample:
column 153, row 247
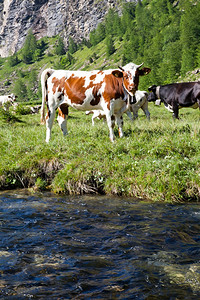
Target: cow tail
column 45, row 75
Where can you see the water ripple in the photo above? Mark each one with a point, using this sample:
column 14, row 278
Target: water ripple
column 97, row 248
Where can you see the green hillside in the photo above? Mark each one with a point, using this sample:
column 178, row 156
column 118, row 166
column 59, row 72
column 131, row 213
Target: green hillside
column 164, row 34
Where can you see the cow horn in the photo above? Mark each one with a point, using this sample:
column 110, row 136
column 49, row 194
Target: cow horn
column 120, row 68
column 139, row 65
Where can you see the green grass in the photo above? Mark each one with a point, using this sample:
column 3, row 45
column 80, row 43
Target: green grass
column 157, row 160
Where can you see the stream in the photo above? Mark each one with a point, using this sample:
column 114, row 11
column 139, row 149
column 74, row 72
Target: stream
column 97, row 247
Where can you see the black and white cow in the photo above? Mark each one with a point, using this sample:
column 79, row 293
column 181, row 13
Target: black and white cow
column 176, row 95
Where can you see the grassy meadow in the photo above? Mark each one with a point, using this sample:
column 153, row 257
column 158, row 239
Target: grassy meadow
column 157, row 160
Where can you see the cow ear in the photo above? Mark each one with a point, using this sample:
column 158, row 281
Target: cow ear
column 151, row 88
column 144, row 71
column 117, row 73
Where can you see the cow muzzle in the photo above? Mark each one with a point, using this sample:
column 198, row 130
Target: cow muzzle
column 132, row 90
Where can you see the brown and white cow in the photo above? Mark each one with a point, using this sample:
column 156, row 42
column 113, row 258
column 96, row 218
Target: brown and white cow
column 106, row 90
column 7, row 101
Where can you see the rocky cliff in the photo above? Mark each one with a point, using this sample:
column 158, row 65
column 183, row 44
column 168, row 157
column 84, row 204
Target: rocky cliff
column 74, row 18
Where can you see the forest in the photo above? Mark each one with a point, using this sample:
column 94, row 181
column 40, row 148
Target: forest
column 164, row 34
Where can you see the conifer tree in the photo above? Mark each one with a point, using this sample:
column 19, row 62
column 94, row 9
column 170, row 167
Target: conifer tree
column 20, row 90
column 110, row 48
column 60, row 47
column 29, row 48
column 13, row 60
column 72, row 46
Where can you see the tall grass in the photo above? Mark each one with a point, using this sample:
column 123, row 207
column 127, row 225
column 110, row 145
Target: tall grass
column 157, row 160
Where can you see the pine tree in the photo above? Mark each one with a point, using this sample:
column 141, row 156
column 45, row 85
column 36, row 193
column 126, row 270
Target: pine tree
column 110, row 48
column 60, row 47
column 20, row 90
column 13, row 60
column 29, row 48
column 32, row 85
column 72, row 46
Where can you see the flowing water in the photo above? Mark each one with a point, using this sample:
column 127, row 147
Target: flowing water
column 97, row 248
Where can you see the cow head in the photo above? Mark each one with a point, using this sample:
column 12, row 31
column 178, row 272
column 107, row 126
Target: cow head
column 127, row 80
column 12, row 97
column 152, row 97
column 132, row 72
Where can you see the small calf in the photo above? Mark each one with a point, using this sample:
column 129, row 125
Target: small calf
column 141, row 102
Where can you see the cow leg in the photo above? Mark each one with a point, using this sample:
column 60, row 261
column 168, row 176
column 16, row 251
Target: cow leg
column 95, row 115
column 175, row 110
column 120, row 122
column 146, row 111
column 62, row 121
column 134, row 110
column 129, row 115
column 135, row 114
column 49, row 123
column 111, row 124
column 198, row 101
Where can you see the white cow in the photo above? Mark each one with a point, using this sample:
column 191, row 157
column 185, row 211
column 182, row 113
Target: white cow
column 7, row 101
column 141, row 102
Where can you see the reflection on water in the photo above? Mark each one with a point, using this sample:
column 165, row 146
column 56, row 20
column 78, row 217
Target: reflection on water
column 97, row 248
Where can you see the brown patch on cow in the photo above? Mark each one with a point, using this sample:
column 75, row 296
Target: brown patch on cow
column 58, row 84
column 63, row 109
column 96, row 94
column 113, row 89
column 75, row 90
column 92, row 77
column 136, row 80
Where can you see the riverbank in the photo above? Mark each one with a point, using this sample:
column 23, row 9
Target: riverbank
column 156, row 160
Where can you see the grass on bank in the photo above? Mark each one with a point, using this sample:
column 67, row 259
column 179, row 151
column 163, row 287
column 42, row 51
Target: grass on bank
column 157, row 160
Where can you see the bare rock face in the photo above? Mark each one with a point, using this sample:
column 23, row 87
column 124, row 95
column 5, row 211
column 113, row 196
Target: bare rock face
column 75, row 18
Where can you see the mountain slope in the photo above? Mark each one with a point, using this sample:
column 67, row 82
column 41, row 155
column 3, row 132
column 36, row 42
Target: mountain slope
column 75, row 18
